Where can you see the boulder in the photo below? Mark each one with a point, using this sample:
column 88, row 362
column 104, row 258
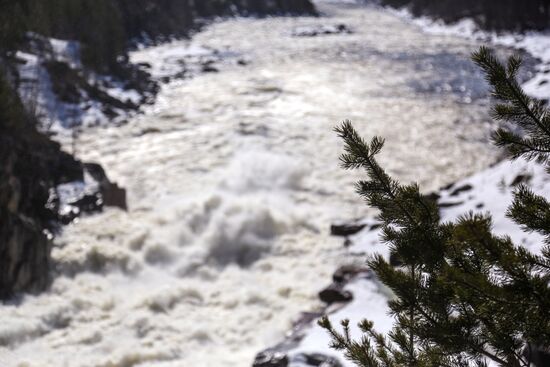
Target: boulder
column 335, row 293
column 347, row 272
column 115, row 196
column 270, row 358
column 317, row 360
column 461, row 189
column 111, row 193
column 346, row 229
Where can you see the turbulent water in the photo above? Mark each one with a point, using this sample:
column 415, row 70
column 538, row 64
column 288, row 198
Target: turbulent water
column 233, row 182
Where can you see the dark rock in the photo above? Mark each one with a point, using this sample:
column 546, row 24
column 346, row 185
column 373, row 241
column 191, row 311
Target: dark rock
column 375, row 226
column 111, row 193
column 347, row 272
column 90, row 197
column 149, row 130
column 270, row 358
column 115, row 196
column 31, row 166
column 97, row 172
column 88, row 203
column 346, row 229
column 434, row 196
column 449, row 204
column 317, row 360
column 208, row 68
column 316, row 30
column 24, row 255
column 144, row 65
column 521, row 178
column 181, row 74
column 335, row 293
column 461, row 189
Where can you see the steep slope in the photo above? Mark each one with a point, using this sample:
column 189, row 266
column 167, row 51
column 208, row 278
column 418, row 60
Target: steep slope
column 30, row 166
column 514, row 15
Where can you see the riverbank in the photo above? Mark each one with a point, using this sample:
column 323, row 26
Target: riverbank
column 488, row 191
column 233, row 182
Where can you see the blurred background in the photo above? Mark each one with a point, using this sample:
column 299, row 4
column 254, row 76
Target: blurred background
column 170, row 192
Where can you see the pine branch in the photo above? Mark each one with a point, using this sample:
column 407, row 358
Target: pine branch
column 465, row 296
column 518, row 109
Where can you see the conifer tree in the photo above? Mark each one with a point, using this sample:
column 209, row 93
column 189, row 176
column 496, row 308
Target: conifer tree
column 464, row 296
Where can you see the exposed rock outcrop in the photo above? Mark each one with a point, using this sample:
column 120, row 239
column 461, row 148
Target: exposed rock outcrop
column 32, row 167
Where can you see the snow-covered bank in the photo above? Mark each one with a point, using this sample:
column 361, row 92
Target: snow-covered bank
column 489, row 191
column 233, row 183
column 536, row 44
column 63, row 94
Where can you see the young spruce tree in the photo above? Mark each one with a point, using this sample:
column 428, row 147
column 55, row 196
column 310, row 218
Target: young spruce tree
column 464, row 296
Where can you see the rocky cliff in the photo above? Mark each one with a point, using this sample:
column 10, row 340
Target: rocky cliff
column 30, row 167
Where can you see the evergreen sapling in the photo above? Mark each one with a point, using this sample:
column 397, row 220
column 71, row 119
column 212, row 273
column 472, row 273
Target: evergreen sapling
column 463, row 296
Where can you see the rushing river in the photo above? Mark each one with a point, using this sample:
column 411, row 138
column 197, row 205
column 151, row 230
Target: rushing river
column 233, row 182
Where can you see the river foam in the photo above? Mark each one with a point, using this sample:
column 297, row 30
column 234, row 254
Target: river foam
column 233, row 182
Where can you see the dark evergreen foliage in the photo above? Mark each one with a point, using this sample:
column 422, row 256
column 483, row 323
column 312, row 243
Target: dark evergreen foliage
column 106, row 27
column 463, row 294
column 489, row 14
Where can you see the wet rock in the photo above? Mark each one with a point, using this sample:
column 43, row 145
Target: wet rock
column 89, row 195
column 434, row 196
column 375, row 226
column 317, row 360
column 317, row 30
column 88, row 203
column 449, row 204
column 31, row 166
column 209, row 68
column 335, row 293
column 461, row 189
column 521, row 178
column 270, row 358
column 144, row 65
column 347, row 243
column 148, row 130
column 347, row 272
column 346, row 229
column 115, row 196
column 111, row 193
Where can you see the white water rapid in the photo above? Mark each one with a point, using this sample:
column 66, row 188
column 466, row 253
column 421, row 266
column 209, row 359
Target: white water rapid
column 233, row 182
